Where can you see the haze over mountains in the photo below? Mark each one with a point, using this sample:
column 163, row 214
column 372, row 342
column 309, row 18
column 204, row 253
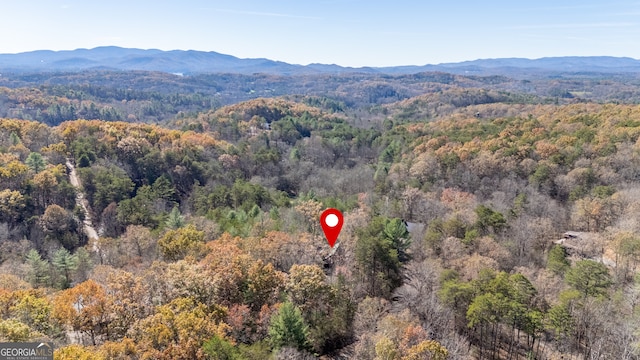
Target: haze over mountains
column 191, row 62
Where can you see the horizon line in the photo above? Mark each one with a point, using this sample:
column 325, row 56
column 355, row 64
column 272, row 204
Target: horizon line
column 320, row 63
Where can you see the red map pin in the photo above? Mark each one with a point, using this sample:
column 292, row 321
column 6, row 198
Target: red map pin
column 331, row 221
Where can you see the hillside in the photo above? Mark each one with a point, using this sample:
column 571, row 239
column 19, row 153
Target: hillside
column 155, row 97
column 455, row 191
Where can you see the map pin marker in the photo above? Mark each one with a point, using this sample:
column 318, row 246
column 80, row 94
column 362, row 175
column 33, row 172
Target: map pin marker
column 331, row 221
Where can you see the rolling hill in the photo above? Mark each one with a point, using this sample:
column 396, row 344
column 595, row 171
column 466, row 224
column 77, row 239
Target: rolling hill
column 192, row 62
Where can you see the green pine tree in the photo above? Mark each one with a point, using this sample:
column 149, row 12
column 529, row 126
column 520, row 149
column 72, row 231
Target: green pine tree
column 557, row 260
column 65, row 264
column 288, row 328
column 590, row 278
column 38, row 274
column 14, row 139
column 84, row 161
column 36, row 162
column 396, row 231
column 175, row 220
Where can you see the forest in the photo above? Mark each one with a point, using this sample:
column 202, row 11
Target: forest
column 484, row 217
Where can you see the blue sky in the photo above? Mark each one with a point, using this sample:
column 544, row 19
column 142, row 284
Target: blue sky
column 344, row 32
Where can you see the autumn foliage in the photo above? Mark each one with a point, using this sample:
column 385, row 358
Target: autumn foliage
column 479, row 223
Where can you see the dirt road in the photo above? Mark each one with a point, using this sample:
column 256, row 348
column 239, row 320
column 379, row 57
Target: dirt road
column 82, row 202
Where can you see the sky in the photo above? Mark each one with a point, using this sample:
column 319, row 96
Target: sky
column 344, row 32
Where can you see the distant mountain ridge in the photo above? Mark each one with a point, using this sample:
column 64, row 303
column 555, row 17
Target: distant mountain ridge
column 191, row 62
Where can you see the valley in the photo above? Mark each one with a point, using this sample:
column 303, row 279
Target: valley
column 207, row 191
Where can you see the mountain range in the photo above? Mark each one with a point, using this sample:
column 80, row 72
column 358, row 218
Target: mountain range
column 193, row 62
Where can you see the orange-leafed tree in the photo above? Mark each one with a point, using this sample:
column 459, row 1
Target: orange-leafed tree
column 177, row 330
column 264, row 284
column 129, row 301
column 84, row 308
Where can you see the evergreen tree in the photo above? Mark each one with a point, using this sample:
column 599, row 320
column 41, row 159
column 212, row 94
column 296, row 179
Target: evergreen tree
column 288, row 328
column 84, row 161
column 378, row 258
column 489, row 219
column 38, row 269
column 590, row 278
column 175, row 220
column 220, row 349
column 163, row 188
column 396, row 231
column 557, row 260
column 65, row 264
column 36, row 162
column 14, row 139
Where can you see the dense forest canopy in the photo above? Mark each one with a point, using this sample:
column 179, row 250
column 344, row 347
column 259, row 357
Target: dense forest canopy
column 140, row 96
column 485, row 217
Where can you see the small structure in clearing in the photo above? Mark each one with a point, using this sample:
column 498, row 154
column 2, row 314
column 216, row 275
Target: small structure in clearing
column 585, row 245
